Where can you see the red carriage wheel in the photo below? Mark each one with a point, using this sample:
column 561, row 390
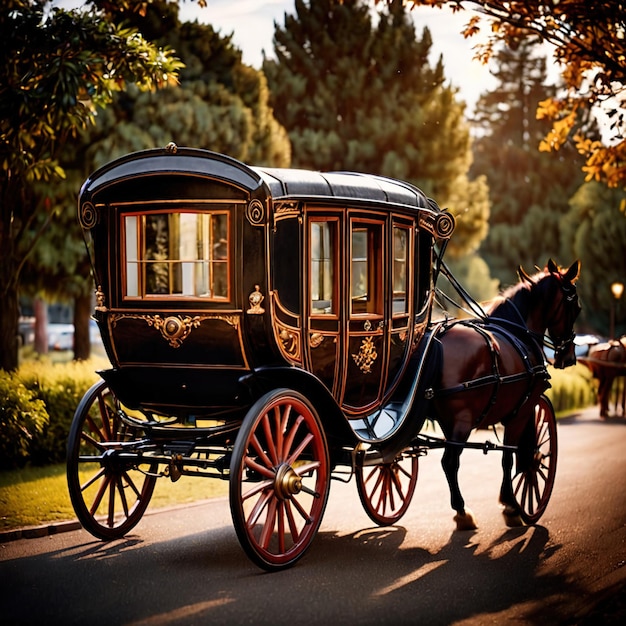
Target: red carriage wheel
column 109, row 492
column 279, row 479
column 533, row 487
column 386, row 489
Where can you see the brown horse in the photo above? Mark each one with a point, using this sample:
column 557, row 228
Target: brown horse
column 494, row 372
column 607, row 361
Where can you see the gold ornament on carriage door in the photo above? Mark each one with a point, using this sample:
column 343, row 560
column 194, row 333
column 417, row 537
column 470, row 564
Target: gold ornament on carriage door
column 255, row 298
column 366, row 356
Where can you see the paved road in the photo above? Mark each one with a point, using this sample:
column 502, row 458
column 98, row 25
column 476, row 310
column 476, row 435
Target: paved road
column 186, row 566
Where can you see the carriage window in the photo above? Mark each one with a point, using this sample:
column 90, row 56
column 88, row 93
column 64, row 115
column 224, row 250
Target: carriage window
column 400, row 269
column 322, row 265
column 366, row 270
column 177, row 254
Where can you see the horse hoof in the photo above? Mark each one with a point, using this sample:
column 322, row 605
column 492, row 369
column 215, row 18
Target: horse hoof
column 465, row 521
column 512, row 518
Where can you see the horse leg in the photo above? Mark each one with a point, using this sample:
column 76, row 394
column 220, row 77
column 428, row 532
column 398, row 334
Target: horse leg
column 450, row 461
column 510, row 510
column 604, row 390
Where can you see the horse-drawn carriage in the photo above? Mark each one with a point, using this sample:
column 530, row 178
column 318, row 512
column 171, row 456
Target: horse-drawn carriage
column 273, row 328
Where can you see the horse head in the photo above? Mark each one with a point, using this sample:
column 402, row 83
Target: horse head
column 556, row 290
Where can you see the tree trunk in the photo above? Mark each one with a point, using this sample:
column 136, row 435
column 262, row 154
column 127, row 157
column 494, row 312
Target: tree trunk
column 82, row 315
column 40, row 308
column 9, row 324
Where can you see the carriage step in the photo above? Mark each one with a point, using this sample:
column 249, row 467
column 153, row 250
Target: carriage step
column 179, row 448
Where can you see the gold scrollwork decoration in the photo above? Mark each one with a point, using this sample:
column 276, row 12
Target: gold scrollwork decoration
column 289, row 342
column 88, row 215
column 316, row 339
column 366, row 356
column 255, row 212
column 174, row 329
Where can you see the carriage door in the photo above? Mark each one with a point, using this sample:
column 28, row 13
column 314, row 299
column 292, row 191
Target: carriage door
column 365, row 353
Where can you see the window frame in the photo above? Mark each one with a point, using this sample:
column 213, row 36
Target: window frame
column 138, row 233
column 334, row 224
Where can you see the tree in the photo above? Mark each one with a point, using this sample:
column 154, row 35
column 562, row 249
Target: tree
column 590, row 46
column 56, row 68
column 529, row 190
column 360, row 97
column 220, row 104
column 595, row 232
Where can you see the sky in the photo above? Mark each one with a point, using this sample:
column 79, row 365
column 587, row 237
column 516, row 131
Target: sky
column 251, row 22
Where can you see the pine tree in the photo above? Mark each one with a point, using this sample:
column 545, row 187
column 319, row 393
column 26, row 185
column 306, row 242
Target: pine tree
column 220, row 104
column 363, row 97
column 529, row 190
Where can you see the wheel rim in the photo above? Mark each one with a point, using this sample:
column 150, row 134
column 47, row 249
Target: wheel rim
column 386, row 489
column 109, row 493
column 279, row 479
column 533, row 487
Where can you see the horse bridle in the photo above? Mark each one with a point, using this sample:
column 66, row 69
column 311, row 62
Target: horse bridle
column 570, row 297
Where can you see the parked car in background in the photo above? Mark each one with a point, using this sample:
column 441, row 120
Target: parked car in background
column 60, row 336
column 26, row 331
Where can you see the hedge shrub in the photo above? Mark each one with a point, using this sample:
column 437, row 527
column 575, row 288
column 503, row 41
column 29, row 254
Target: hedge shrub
column 37, row 405
column 23, row 418
column 572, row 388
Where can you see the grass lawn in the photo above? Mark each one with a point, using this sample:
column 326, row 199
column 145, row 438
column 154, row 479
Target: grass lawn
column 38, row 495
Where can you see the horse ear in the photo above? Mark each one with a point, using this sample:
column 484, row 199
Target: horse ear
column 573, row 272
column 523, row 275
column 553, row 268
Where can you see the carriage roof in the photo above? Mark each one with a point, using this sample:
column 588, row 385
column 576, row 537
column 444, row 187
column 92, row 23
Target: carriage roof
column 278, row 183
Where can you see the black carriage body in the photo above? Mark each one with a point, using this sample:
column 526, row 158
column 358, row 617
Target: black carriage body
column 217, row 281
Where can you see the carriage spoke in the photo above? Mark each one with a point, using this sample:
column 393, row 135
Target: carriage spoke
column 293, row 528
column 259, row 450
column 281, row 428
column 262, row 486
column 281, row 527
column 305, row 516
column 92, row 480
column 269, row 439
column 268, row 526
column 103, row 415
column 291, row 435
column 120, row 488
column 100, row 494
column 379, row 474
column 131, row 483
column 87, row 438
column 261, row 469
column 388, row 493
column 261, row 503
column 395, row 479
column 111, row 514
column 381, row 502
column 298, row 451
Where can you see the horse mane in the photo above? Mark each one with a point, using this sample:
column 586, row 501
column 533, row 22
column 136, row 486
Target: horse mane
column 522, row 294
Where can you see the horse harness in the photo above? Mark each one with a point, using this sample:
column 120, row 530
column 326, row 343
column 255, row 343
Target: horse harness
column 525, row 344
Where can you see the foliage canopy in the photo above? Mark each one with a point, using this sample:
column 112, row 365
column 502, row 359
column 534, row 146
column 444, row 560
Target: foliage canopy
column 56, row 68
column 589, row 40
